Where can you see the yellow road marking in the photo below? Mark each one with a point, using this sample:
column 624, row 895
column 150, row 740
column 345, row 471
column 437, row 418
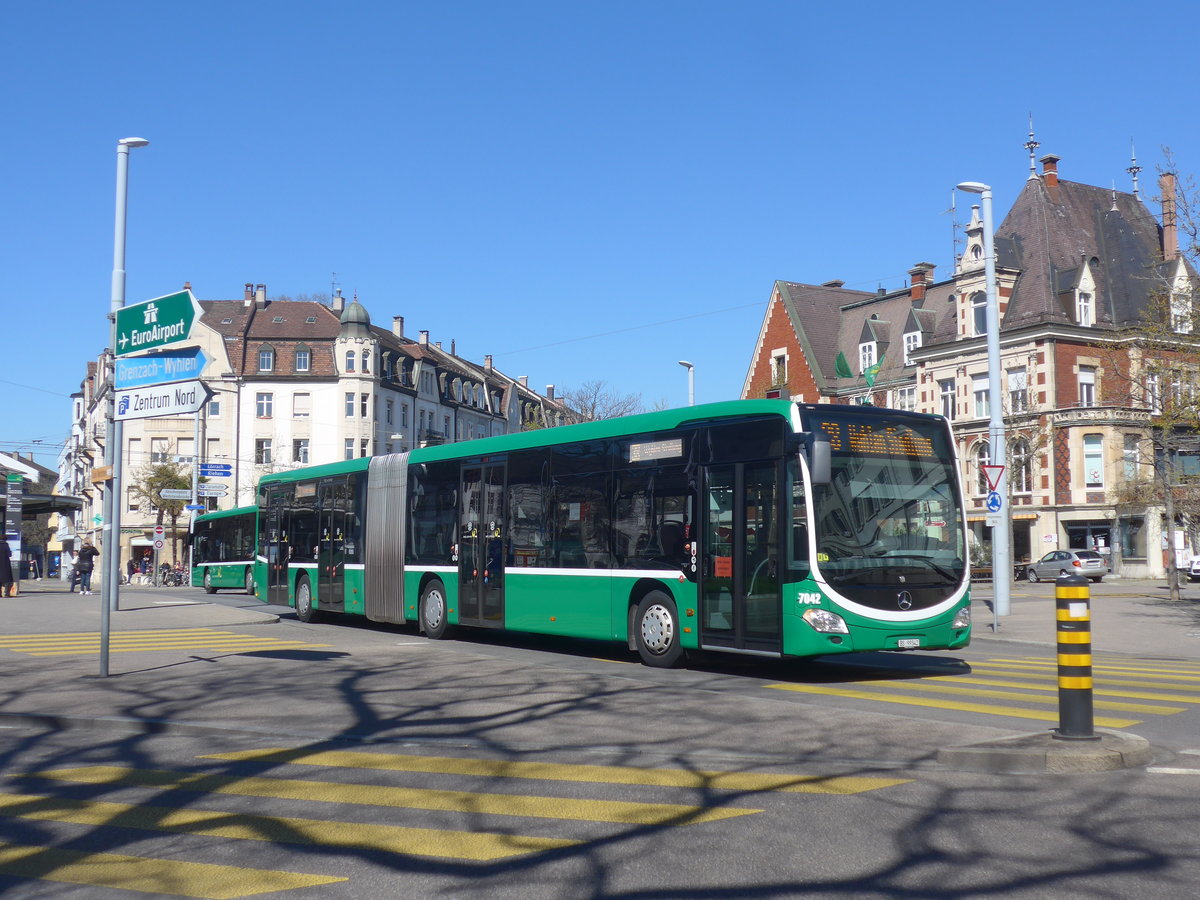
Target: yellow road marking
column 948, row 687
column 149, row 876
column 1047, row 684
column 621, row 812
column 1115, row 682
column 1167, row 674
column 95, row 634
column 437, row 842
column 987, row 708
column 680, row 778
column 80, row 643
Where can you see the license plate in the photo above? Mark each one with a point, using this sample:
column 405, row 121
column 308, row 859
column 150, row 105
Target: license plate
column 908, row 643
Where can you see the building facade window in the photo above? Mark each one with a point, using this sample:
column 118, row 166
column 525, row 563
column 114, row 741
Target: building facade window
column 779, row 368
column 348, row 449
column 906, row 398
column 979, row 314
column 158, row 450
column 349, row 405
column 1093, row 461
column 1154, row 393
column 214, row 408
column 983, row 457
column 366, row 361
column 1018, row 390
column 350, row 357
column 362, row 447
column 300, row 451
column 1021, row 481
column 946, row 392
column 1181, row 313
column 866, row 355
column 262, row 451
column 266, row 359
column 980, row 385
column 389, row 409
column 301, row 406
column 1130, row 456
column 264, row 405
column 364, row 405
column 1087, row 386
column 1084, row 310
column 303, row 359
column 912, row 340
column 403, row 415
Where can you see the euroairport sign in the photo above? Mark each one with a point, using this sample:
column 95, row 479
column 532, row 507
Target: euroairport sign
column 156, row 323
column 159, row 368
column 162, row 400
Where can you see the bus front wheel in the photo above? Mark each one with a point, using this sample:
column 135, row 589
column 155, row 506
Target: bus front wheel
column 208, row 585
column 433, row 611
column 657, row 625
column 304, row 604
column 250, row 582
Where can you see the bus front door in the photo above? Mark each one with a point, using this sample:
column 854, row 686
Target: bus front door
column 740, row 571
column 275, row 544
column 481, row 523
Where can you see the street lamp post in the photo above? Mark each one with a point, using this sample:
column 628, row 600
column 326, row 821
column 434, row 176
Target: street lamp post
column 110, row 584
column 691, row 381
column 1001, row 552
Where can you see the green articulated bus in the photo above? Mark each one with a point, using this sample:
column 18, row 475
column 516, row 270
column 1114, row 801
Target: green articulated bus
column 757, row 526
column 223, row 549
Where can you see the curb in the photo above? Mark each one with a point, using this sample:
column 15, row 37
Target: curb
column 1042, row 753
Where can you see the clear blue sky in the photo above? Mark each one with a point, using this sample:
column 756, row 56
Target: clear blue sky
column 586, row 190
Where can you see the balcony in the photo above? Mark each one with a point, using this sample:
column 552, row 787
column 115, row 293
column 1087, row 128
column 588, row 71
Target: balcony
column 1100, row 415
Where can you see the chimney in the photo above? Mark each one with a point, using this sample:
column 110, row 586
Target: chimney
column 487, row 363
column 1170, row 230
column 424, row 338
column 249, row 298
column 453, row 351
column 1050, row 170
column 339, row 302
column 187, row 285
column 922, row 276
column 398, row 326
column 438, row 344
column 549, row 392
column 260, row 295
column 523, row 380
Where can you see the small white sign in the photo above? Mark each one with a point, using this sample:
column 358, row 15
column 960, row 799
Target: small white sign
column 162, row 400
column 175, row 494
column 158, row 545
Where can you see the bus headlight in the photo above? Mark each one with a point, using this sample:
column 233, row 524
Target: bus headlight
column 962, row 618
column 826, row 622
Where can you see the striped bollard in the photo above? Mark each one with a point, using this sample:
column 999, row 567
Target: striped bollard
column 1074, row 621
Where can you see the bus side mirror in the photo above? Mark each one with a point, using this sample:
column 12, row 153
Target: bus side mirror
column 820, row 467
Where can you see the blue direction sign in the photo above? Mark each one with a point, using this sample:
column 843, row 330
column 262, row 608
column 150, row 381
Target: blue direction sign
column 218, row 470
column 994, row 502
column 159, row 368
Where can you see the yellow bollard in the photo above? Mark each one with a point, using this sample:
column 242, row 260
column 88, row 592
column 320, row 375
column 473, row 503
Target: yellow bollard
column 1073, row 612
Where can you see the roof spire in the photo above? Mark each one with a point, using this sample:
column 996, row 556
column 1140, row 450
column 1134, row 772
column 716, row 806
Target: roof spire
column 1134, row 168
column 1114, row 195
column 1031, row 145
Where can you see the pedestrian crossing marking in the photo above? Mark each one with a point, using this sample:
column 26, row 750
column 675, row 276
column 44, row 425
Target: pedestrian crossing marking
column 614, row 811
column 678, row 778
column 408, row 841
column 89, row 642
column 1048, row 684
column 147, row 875
column 1042, row 665
column 1051, row 672
column 924, row 685
column 1043, row 715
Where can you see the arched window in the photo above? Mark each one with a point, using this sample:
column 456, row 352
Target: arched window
column 1022, row 467
column 366, row 361
column 983, row 457
column 350, row 357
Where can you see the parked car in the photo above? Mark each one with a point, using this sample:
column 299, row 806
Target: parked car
column 1194, row 568
column 1088, row 563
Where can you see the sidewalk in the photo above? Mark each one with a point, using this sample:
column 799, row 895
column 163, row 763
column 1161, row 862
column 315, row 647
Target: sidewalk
column 1128, row 616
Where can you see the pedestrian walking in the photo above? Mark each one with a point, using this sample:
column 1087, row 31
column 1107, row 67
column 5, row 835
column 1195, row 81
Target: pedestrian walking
column 86, row 562
column 8, row 587
column 130, row 570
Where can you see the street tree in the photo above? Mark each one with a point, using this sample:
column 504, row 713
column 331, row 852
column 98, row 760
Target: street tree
column 146, row 492
column 596, row 400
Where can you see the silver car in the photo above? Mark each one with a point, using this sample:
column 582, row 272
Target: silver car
column 1088, row 563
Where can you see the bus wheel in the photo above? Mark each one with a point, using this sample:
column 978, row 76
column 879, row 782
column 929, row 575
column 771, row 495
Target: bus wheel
column 657, row 625
column 208, row 585
column 304, row 606
column 249, row 582
column 433, row 611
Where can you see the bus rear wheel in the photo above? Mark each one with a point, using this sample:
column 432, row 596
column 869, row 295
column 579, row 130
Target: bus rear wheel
column 208, row 585
column 434, row 621
column 304, row 604
column 657, row 631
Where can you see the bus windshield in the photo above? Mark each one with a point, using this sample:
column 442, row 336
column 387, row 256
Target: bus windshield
column 890, row 515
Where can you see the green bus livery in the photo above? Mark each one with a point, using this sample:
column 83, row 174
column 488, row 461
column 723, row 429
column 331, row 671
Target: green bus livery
column 756, row 526
column 223, row 549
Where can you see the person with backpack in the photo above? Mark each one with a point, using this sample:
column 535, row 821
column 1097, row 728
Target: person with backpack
column 86, row 561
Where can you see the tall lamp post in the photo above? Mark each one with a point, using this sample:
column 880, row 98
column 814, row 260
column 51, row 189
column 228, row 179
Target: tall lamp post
column 1001, row 552
column 691, row 381
column 113, row 432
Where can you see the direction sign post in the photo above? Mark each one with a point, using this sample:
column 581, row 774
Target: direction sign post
column 162, row 400
column 218, row 470
column 159, row 368
column 176, row 493
column 212, row 490
column 156, row 323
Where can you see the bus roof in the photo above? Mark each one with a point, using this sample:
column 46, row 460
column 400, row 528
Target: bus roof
column 226, row 513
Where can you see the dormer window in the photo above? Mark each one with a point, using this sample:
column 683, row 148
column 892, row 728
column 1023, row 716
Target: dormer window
column 1181, row 313
column 912, row 340
column 1084, row 311
column 866, row 355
